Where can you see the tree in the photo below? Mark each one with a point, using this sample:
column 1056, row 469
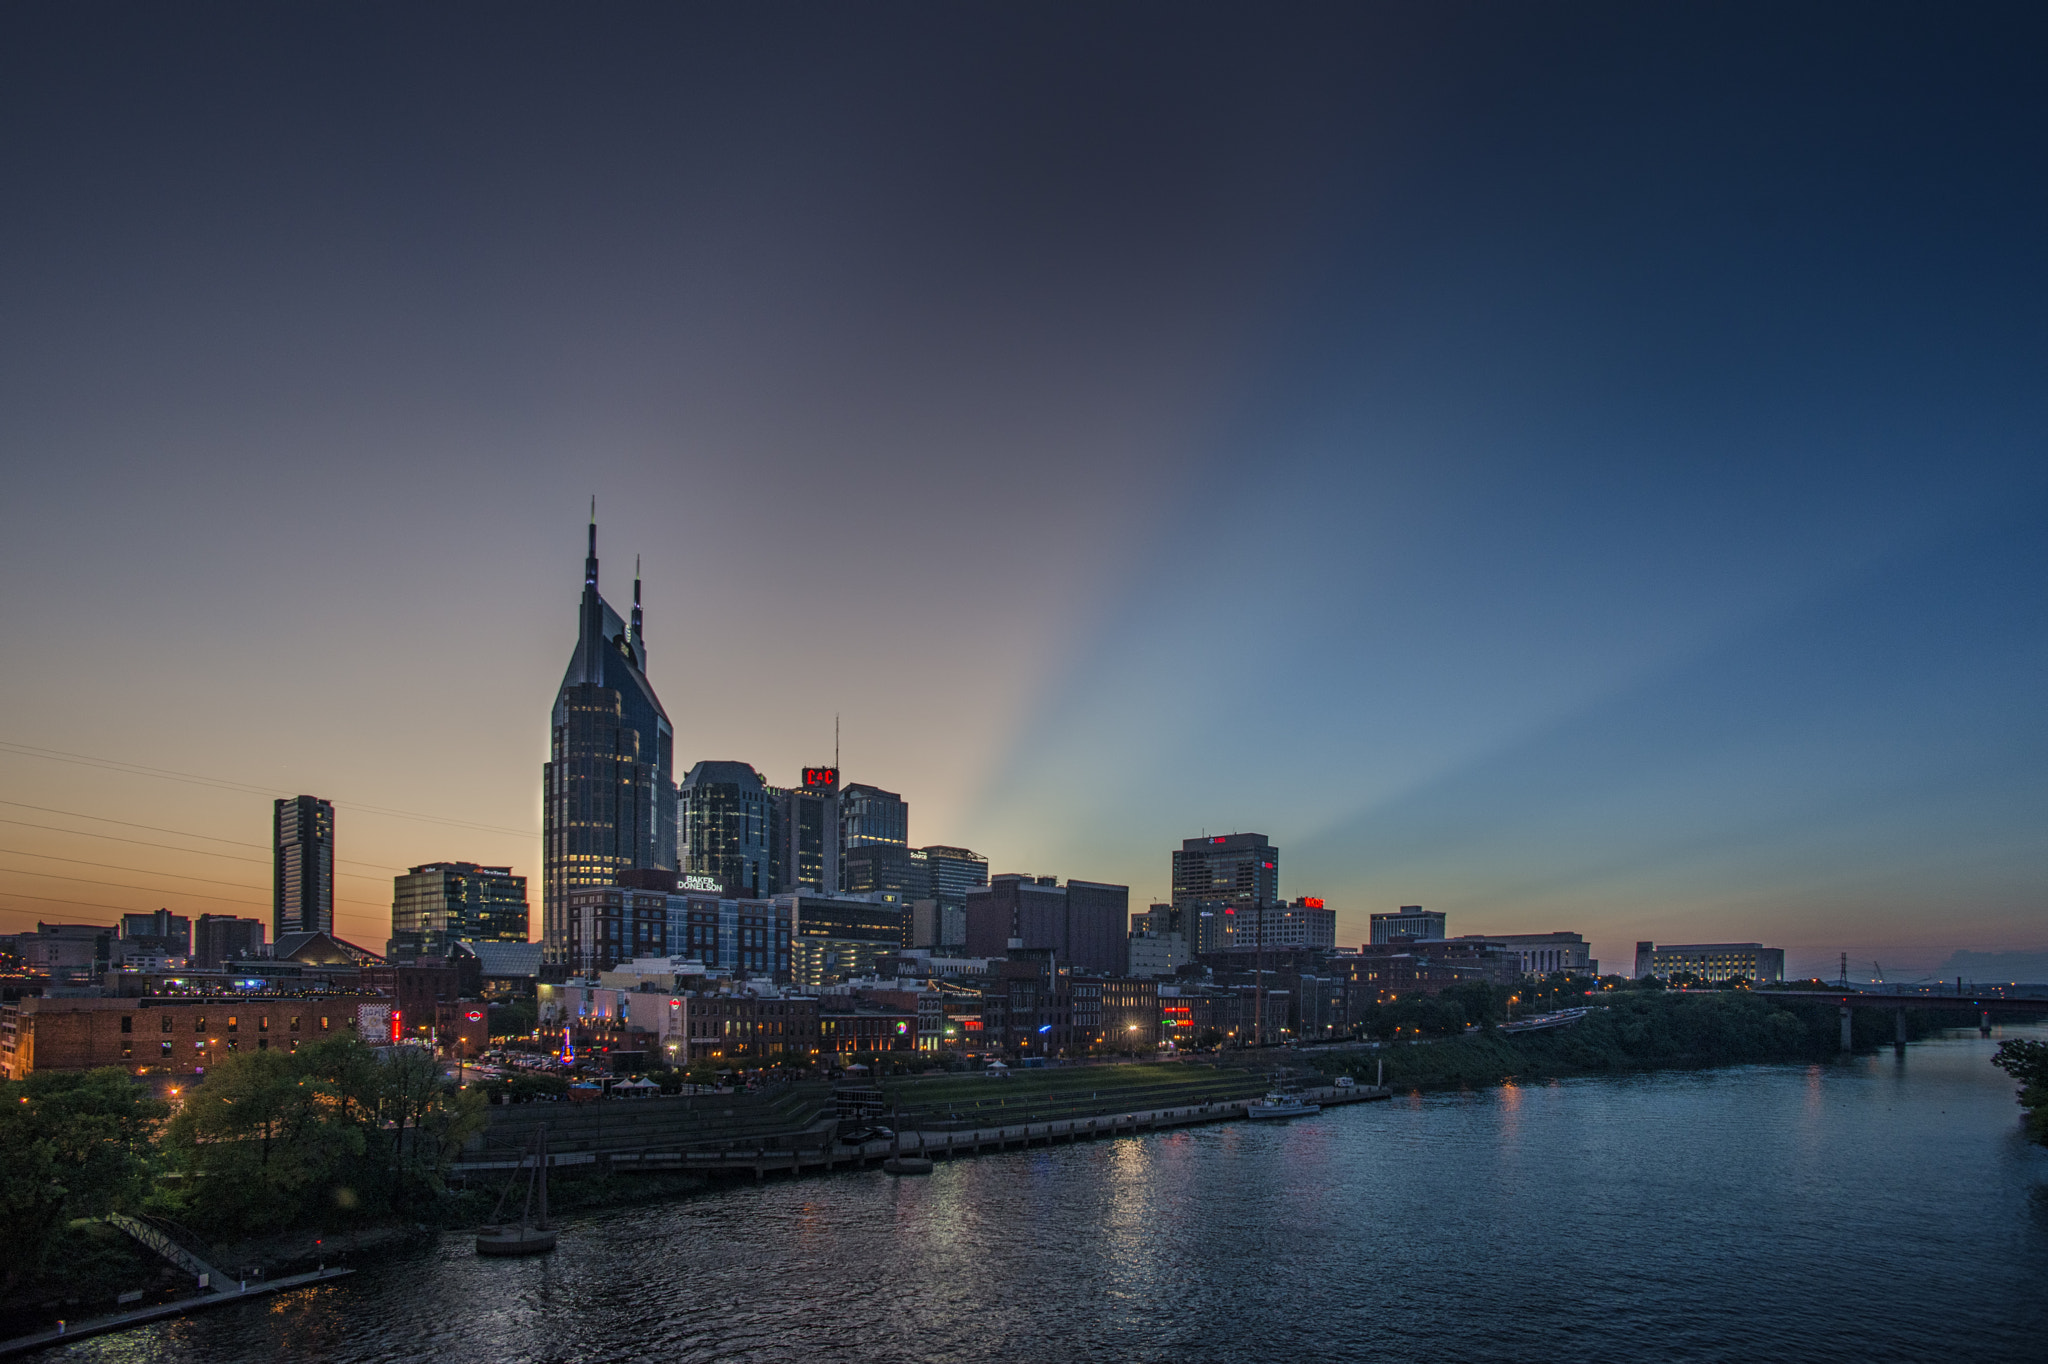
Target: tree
column 71, row 1145
column 2026, row 1060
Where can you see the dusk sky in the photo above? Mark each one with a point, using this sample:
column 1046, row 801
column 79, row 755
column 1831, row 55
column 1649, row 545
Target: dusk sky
column 1575, row 467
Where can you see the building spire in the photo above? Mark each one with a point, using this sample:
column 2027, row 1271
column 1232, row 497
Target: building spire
column 590, row 558
column 636, row 600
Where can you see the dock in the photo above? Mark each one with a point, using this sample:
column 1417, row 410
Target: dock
column 244, row 1291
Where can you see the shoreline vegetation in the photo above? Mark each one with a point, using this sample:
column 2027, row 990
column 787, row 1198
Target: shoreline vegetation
column 279, row 1162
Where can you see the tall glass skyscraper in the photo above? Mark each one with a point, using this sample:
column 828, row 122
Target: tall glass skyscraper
column 727, row 817
column 608, row 794
column 302, row 884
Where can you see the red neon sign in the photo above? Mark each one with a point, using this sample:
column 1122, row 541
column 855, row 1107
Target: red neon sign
column 397, row 1025
column 821, row 776
column 1311, row 902
column 473, row 1016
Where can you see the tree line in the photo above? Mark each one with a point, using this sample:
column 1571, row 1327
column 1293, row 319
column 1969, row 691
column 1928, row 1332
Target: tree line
column 334, row 1134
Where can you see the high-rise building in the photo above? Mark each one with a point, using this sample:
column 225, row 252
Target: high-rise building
column 1210, row 872
column 806, row 835
column 163, row 932
column 437, row 905
column 1410, row 921
column 903, row 874
column 302, row 886
column 868, row 814
column 726, row 816
column 608, row 796
column 956, row 872
column 1082, row 923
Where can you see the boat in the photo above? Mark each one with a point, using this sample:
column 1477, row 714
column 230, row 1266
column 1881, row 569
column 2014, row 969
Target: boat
column 1277, row 1105
column 531, row 1235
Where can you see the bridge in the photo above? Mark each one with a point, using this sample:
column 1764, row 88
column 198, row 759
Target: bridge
column 1848, row 1001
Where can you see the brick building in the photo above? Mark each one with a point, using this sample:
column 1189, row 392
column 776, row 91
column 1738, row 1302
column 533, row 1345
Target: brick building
column 165, row 1036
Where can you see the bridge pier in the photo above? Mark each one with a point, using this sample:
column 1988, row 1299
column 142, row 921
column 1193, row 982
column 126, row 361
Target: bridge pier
column 1899, row 1032
column 1984, row 1022
column 1848, row 1033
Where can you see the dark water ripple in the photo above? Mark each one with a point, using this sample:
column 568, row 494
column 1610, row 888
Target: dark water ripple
column 1875, row 1211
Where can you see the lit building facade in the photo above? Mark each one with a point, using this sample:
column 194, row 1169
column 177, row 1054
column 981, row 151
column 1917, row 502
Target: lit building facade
column 302, row 886
column 608, row 788
column 1409, row 921
column 439, row 904
column 1713, row 962
column 726, row 816
column 806, row 833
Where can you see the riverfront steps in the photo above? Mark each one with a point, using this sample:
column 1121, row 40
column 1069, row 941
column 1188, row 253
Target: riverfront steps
column 823, row 1156
column 121, row 1321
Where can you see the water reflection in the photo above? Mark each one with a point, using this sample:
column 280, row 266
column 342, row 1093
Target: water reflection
column 1847, row 1211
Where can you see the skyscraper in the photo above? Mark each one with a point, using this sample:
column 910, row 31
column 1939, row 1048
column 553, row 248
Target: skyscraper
column 868, row 814
column 727, row 819
column 1226, row 869
column 302, row 884
column 608, row 795
column 807, row 833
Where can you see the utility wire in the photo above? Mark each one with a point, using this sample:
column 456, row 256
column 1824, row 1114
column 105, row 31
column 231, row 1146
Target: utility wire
column 159, row 829
column 172, row 847
column 166, row 774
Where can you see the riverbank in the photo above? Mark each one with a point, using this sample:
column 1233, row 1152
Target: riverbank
column 1632, row 1031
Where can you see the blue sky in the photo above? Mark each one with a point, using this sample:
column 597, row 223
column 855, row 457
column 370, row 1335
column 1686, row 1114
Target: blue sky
column 1576, row 467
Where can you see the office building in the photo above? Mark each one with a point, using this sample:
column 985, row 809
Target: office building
column 868, row 814
column 806, row 834
column 1410, row 921
column 218, row 939
column 441, row 903
column 161, row 933
column 889, row 869
column 745, row 936
column 1250, row 927
column 726, row 815
column 610, row 924
column 608, row 799
column 1541, row 953
column 1713, row 962
column 955, row 873
column 1210, row 872
column 302, row 896
column 1083, row 923
column 1154, row 954
column 835, row 938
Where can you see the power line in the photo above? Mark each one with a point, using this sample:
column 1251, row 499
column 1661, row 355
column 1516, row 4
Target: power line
column 158, row 890
column 140, row 871
column 172, row 847
column 167, row 774
column 156, row 829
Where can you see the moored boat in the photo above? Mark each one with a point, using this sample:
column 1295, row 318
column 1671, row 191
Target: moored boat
column 1278, row 1105
column 531, row 1234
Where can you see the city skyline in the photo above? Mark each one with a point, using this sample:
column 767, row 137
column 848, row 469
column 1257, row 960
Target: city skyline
column 1362, row 438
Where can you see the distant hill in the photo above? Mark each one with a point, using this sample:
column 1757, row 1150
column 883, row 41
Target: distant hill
column 2028, row 967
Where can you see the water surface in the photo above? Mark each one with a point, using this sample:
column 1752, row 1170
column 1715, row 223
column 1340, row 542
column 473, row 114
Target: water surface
column 1876, row 1210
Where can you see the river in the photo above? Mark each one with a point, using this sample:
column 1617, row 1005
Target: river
column 1880, row 1209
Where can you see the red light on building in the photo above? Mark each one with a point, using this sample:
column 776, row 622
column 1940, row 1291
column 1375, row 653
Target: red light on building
column 1228, row 910
column 1218, row 839
column 474, row 1016
column 1267, row 865
column 397, row 1025
column 675, row 1003
column 1311, row 902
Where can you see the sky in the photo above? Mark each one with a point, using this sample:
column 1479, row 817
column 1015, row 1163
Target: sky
column 1572, row 466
